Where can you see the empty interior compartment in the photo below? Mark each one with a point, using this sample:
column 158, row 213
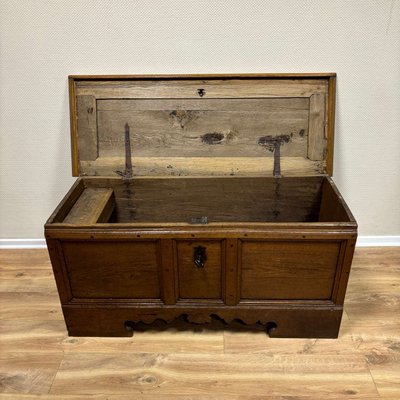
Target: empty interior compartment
column 206, row 200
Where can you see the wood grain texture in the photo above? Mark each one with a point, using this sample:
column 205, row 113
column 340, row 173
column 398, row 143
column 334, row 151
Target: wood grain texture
column 28, row 372
column 203, row 166
column 216, row 88
column 207, row 128
column 87, row 127
column 124, row 269
column 317, row 134
column 235, row 364
column 288, row 270
column 94, row 205
column 236, row 199
column 199, row 282
column 169, row 119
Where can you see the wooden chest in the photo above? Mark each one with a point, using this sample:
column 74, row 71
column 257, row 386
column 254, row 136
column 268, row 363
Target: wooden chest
column 204, row 197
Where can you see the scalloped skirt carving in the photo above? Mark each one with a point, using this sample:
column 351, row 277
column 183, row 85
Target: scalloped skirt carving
column 278, row 322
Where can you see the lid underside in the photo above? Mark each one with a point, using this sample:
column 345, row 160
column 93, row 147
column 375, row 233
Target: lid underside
column 266, row 125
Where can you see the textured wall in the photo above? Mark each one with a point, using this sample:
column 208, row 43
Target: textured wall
column 43, row 41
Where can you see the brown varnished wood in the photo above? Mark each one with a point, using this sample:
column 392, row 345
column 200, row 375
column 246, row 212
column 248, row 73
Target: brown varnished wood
column 67, row 202
column 275, row 250
column 232, row 280
column 333, row 207
column 344, row 271
column 106, row 321
column 288, row 270
column 170, row 282
column 200, row 282
column 219, row 199
column 273, row 231
column 60, row 274
column 112, row 270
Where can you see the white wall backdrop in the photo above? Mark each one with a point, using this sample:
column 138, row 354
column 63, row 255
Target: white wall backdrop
column 43, row 41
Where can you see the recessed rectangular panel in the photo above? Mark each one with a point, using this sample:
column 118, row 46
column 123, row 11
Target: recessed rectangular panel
column 112, row 270
column 204, row 127
column 288, row 270
column 201, row 279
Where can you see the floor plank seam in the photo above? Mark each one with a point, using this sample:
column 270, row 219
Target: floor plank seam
column 55, row 375
column 373, row 380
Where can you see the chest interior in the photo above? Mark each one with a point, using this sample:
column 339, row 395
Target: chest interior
column 201, row 150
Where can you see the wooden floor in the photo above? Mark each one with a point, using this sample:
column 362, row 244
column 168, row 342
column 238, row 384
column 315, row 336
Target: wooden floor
column 39, row 360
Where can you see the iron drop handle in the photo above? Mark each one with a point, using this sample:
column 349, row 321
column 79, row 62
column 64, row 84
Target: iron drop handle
column 199, row 256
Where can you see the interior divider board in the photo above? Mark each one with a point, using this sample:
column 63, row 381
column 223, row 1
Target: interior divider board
column 94, row 205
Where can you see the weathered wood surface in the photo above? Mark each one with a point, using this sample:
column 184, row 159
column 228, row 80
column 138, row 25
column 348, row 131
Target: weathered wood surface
column 203, row 166
column 206, row 128
column 94, row 205
column 220, row 199
column 231, row 117
column 224, row 88
column 87, row 127
column 38, row 359
column 317, row 144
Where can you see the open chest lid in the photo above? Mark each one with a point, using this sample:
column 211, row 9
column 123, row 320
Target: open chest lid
column 181, row 125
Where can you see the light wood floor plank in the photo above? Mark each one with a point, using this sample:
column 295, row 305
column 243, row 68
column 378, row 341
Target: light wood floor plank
column 150, row 342
column 30, row 306
column 6, row 396
column 200, row 374
column 27, row 372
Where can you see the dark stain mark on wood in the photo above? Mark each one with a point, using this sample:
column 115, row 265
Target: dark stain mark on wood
column 277, row 188
column 270, row 142
column 350, row 391
column 212, row 138
column 276, row 213
column 273, row 144
column 90, row 110
column 127, row 174
column 182, row 117
column 301, row 133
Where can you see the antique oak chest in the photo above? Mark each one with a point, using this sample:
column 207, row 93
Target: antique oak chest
column 203, row 197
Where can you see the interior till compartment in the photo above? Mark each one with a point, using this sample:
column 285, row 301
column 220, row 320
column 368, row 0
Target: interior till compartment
column 205, row 201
